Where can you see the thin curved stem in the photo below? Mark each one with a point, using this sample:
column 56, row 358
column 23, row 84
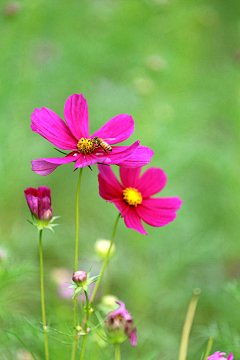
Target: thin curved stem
column 42, row 298
column 117, row 351
column 188, row 324
column 105, row 261
column 85, row 328
column 103, row 268
column 75, row 339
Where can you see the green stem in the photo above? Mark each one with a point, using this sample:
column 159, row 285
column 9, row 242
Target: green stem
column 42, row 298
column 117, row 351
column 188, row 324
column 85, row 327
column 209, row 348
column 75, row 339
column 105, row 262
column 77, row 221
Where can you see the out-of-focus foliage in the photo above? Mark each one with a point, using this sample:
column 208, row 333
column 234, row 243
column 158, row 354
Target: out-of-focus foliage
column 174, row 66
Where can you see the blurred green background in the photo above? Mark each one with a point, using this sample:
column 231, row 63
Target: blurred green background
column 174, row 66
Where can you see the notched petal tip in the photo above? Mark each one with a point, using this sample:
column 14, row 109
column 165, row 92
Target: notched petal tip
column 76, row 115
column 116, row 130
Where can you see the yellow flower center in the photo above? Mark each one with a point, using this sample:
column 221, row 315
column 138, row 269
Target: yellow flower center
column 132, row 196
column 85, row 146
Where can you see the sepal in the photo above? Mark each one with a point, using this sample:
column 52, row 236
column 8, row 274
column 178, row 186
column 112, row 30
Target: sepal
column 41, row 224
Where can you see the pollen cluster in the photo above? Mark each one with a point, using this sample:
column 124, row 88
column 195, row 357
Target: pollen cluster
column 132, row 196
column 85, row 146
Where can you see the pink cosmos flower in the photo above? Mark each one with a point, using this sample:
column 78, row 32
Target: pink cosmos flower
column 119, row 323
column 220, row 356
column 85, row 149
column 39, row 202
column 133, row 197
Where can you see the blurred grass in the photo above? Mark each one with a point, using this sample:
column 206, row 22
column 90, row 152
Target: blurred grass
column 174, row 66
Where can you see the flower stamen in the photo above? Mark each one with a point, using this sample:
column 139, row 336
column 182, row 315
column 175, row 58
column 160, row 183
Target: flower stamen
column 132, row 196
column 85, row 146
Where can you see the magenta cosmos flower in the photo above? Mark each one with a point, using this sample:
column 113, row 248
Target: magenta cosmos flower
column 84, row 149
column 133, row 197
column 119, row 324
column 220, row 356
column 39, row 202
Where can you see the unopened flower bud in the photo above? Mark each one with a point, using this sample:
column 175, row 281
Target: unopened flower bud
column 78, row 328
column 101, row 248
column 39, row 202
column 79, row 277
column 109, row 301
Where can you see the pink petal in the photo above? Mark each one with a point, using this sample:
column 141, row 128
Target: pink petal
column 121, row 206
column 31, row 195
column 172, row 203
column 85, row 160
column 108, row 175
column 130, row 176
column 217, row 356
column 122, row 311
column 133, row 337
column 48, row 165
column 119, row 153
column 133, row 221
column 155, row 217
column 230, row 356
column 116, row 130
column 108, row 189
column 76, row 116
column 44, row 203
column 141, row 157
column 49, row 125
column 152, row 181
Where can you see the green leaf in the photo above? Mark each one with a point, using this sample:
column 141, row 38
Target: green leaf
column 69, row 287
column 93, row 279
column 89, row 272
column 54, row 218
column 77, row 291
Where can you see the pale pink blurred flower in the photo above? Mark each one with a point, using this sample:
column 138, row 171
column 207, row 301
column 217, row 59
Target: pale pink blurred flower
column 61, row 276
column 3, row 254
column 23, row 354
column 12, row 8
